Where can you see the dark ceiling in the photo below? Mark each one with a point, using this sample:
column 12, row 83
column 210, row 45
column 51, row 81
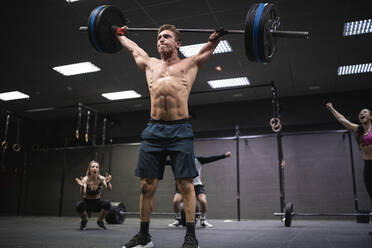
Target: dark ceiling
column 37, row 36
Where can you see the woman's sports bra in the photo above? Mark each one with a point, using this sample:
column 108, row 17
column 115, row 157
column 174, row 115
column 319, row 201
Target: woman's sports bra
column 367, row 139
column 96, row 191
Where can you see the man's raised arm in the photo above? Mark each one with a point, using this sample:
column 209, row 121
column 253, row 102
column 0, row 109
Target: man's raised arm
column 140, row 56
column 207, row 50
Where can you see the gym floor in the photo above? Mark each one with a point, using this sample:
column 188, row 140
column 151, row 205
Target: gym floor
column 54, row 232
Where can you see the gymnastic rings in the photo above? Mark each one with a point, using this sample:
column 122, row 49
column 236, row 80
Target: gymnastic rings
column 78, row 124
column 4, row 145
column 275, row 124
column 35, row 147
column 43, row 148
column 282, row 164
column 16, row 147
column 86, row 136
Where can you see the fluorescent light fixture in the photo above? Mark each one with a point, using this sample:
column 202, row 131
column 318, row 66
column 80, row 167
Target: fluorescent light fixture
column 71, row 1
column 358, row 27
column 229, row 82
column 121, row 95
column 237, row 95
column 13, row 95
column 40, row 109
column 190, row 50
column 314, row 87
column 78, row 68
column 354, row 69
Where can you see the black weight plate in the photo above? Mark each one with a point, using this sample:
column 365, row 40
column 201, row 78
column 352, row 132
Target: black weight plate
column 363, row 218
column 288, row 210
column 247, row 34
column 270, row 44
column 266, row 42
column 107, row 17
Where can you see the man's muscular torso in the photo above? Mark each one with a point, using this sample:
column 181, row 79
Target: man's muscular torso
column 169, row 79
column 170, row 86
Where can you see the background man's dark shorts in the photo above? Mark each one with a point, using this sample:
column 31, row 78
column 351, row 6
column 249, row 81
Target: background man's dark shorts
column 199, row 189
column 167, row 138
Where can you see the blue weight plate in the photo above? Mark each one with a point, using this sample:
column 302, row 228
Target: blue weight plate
column 91, row 28
column 248, row 32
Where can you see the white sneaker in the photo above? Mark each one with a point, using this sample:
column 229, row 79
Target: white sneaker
column 176, row 223
column 204, row 223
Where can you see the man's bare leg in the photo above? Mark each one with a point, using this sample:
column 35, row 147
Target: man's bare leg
column 202, row 198
column 186, row 187
column 176, row 202
column 143, row 238
column 148, row 188
column 176, row 208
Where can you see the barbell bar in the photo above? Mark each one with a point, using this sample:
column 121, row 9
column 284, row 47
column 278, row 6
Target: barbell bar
column 260, row 32
column 156, row 213
column 275, row 33
column 123, row 212
column 362, row 216
column 324, row 214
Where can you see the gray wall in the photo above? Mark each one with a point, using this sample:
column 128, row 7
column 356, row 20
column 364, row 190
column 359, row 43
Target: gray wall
column 317, row 177
column 318, row 173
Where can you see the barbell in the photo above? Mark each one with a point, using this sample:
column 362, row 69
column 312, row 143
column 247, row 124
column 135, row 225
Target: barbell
column 260, row 31
column 362, row 216
column 119, row 212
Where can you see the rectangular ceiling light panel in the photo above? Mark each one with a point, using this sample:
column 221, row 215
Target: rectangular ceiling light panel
column 121, row 95
column 354, row 69
column 358, row 27
column 190, row 50
column 229, row 82
column 13, row 95
column 75, row 69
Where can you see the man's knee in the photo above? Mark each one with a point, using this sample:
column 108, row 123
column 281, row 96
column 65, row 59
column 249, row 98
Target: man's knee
column 148, row 186
column 177, row 199
column 202, row 199
column 186, row 186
